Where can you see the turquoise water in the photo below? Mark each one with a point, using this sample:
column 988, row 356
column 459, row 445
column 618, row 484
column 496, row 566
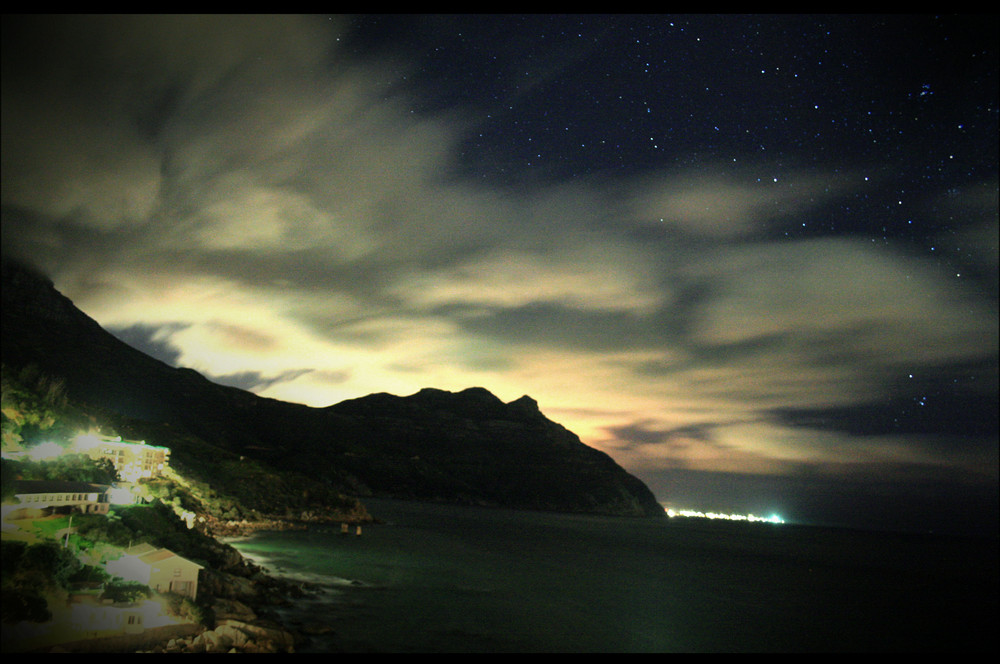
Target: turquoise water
column 436, row 578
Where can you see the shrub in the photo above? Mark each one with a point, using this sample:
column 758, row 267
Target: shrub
column 189, row 610
column 89, row 574
column 100, row 528
column 126, row 591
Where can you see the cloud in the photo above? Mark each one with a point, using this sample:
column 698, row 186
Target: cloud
column 889, row 307
column 93, row 101
column 244, row 198
column 724, row 202
column 582, row 275
column 254, row 381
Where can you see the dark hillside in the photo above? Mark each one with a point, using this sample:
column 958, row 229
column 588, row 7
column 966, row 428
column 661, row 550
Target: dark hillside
column 466, row 447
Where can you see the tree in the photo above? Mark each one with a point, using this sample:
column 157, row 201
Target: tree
column 47, row 561
column 29, row 571
column 8, row 474
column 126, row 591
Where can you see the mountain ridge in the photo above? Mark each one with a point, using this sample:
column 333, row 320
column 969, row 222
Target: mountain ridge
column 459, row 447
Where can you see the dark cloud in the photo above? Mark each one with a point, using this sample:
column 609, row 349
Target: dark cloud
column 676, row 439
column 554, row 325
column 255, row 381
column 153, row 340
column 955, row 415
column 946, row 417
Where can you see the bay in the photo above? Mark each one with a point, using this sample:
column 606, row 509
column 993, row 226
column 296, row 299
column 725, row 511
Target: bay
column 440, row 578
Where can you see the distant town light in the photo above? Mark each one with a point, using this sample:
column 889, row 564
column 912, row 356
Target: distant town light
column 774, row 518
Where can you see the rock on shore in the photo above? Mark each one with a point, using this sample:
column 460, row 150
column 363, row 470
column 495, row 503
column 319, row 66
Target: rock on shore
column 238, row 628
column 232, row 635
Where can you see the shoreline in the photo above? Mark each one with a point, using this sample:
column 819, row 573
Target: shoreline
column 221, row 530
column 244, row 606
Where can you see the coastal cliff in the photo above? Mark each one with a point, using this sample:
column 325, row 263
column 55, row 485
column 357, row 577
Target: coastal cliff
column 471, row 447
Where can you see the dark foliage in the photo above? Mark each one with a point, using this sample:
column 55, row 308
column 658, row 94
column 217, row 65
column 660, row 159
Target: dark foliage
column 29, row 571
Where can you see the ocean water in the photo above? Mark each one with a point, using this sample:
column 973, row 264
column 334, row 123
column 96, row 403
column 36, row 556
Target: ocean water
column 435, row 578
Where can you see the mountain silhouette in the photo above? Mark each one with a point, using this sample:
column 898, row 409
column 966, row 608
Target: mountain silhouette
column 464, row 447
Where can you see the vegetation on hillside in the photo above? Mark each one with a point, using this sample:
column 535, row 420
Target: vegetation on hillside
column 67, row 468
column 203, row 479
column 31, row 574
column 202, row 487
column 35, row 575
column 35, row 409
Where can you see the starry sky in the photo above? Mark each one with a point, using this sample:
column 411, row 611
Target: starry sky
column 753, row 258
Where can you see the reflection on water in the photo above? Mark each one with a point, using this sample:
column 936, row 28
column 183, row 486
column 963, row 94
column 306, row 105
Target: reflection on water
column 437, row 578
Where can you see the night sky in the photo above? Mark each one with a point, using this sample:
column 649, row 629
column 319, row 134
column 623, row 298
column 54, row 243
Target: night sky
column 753, row 258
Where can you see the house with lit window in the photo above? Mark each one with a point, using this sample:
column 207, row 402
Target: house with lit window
column 160, row 569
column 39, row 498
column 133, row 460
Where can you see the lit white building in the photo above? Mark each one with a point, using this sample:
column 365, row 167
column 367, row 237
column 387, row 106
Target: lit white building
column 160, row 569
column 134, row 460
column 37, row 498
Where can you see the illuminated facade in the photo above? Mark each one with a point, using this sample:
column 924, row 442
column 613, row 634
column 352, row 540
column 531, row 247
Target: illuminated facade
column 134, row 460
column 39, row 498
column 160, row 569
